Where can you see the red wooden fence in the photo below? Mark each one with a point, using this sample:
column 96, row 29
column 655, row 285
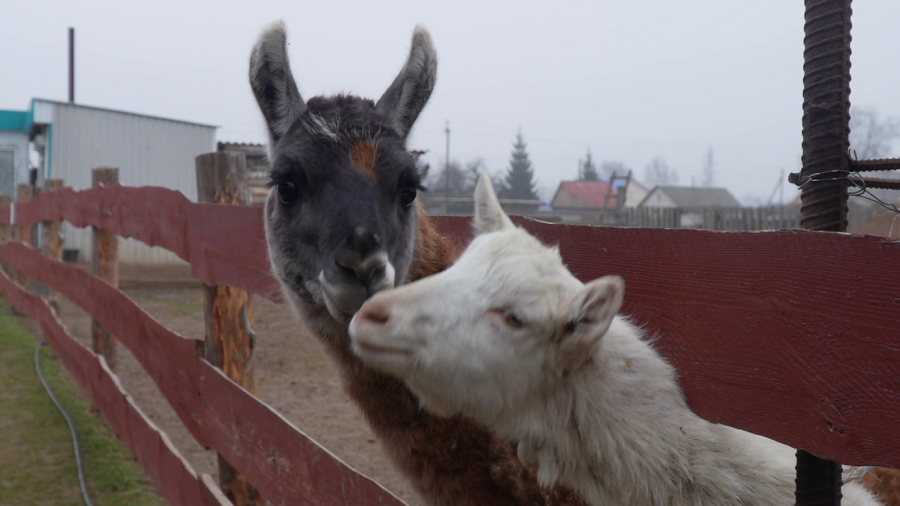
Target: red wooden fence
column 793, row 335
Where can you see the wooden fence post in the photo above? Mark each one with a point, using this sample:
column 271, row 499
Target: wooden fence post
column 105, row 266
column 52, row 240
column 229, row 340
column 23, row 234
column 5, row 230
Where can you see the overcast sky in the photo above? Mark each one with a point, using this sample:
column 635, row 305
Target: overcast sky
column 628, row 80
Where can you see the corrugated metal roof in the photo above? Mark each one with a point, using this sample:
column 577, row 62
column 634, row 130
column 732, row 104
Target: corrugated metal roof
column 104, row 109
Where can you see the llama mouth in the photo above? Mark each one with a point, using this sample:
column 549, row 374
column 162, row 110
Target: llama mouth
column 343, row 298
column 337, row 313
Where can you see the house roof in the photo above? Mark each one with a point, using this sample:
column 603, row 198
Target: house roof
column 693, row 197
column 590, row 193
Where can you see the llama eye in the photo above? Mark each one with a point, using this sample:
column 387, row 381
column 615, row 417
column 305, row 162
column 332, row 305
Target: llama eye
column 287, row 192
column 408, row 195
column 514, row 321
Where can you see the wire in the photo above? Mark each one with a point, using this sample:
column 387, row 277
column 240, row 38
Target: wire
column 37, row 367
column 858, row 181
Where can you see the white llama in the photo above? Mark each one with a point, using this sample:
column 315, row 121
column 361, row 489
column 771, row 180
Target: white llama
column 509, row 337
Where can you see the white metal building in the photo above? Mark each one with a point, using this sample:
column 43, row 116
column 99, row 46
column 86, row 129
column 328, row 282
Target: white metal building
column 71, row 139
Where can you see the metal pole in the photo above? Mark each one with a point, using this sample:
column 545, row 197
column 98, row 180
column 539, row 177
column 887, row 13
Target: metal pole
column 71, row 65
column 826, row 115
column 823, row 178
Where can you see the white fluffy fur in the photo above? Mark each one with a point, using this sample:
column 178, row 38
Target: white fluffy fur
column 580, row 388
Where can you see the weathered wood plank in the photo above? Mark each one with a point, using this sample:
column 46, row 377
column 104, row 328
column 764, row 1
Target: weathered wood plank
column 222, row 243
column 287, row 466
column 153, row 215
column 173, row 477
column 5, row 226
column 228, row 311
column 228, row 246
column 52, row 239
column 22, row 231
column 790, row 334
column 105, row 265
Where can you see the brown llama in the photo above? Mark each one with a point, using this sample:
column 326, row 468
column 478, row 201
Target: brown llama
column 342, row 223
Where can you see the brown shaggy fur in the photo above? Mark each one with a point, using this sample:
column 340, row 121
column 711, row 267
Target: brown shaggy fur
column 885, row 484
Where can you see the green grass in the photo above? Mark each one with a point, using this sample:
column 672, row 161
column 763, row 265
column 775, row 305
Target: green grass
column 188, row 307
column 37, row 463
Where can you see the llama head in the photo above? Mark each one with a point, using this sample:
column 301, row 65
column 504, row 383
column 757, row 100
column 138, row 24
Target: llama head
column 341, row 218
column 503, row 325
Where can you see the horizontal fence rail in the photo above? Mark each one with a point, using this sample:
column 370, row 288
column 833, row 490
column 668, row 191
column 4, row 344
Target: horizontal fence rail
column 222, row 243
column 173, row 477
column 757, row 346
column 283, row 463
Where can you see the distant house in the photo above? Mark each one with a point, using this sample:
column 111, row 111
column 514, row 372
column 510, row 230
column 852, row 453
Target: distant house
column 612, row 194
column 66, row 140
column 690, row 200
column 578, row 195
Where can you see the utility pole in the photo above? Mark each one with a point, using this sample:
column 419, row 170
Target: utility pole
column 447, row 155
column 447, row 159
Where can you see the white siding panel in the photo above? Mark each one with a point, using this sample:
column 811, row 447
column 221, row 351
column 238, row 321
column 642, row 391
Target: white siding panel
column 148, row 152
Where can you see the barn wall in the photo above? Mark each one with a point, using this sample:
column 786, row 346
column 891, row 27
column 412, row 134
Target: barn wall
column 148, row 152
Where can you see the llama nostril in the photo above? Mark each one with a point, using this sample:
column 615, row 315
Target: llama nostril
column 374, row 313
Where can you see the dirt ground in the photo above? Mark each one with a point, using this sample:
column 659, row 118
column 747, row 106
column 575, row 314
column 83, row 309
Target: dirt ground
column 293, row 373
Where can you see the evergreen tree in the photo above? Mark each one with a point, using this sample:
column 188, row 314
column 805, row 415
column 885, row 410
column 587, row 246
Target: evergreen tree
column 520, row 176
column 587, row 169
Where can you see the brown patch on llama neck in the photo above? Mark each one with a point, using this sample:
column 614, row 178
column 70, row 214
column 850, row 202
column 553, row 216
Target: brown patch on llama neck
column 362, row 159
column 433, row 252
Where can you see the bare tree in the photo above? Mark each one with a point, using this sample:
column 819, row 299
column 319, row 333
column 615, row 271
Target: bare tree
column 451, row 181
column 870, row 136
column 658, row 172
column 708, row 171
column 458, row 181
column 498, row 178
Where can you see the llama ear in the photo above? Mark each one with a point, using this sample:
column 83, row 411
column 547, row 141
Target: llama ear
column 406, row 96
column 587, row 316
column 273, row 84
column 489, row 216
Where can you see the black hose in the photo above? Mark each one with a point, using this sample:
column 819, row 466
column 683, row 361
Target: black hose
column 37, row 367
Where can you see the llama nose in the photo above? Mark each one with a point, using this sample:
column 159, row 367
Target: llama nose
column 374, row 312
column 363, row 256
